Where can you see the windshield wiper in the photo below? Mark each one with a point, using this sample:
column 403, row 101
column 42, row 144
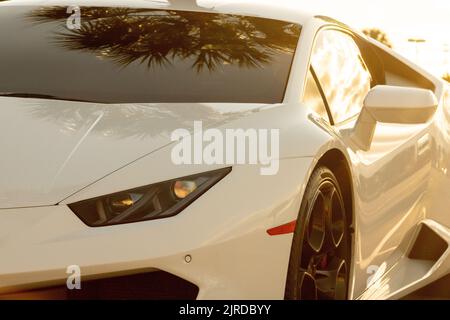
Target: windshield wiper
column 39, row 96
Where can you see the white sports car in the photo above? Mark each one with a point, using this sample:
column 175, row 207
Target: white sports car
column 101, row 196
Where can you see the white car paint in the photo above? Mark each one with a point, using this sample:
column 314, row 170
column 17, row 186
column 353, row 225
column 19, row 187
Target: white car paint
column 398, row 184
column 69, row 154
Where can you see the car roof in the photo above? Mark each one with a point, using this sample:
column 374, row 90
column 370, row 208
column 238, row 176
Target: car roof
column 292, row 13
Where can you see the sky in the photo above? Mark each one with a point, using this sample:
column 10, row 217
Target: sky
column 401, row 20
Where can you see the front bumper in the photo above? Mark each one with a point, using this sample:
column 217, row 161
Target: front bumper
column 224, row 232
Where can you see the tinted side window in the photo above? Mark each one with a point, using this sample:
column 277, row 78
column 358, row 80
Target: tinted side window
column 313, row 99
column 341, row 72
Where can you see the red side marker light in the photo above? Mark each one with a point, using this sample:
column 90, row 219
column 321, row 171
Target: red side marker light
column 283, row 229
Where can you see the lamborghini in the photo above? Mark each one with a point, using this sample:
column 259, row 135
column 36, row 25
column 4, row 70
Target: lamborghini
column 93, row 205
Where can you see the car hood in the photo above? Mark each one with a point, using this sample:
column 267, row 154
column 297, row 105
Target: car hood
column 51, row 149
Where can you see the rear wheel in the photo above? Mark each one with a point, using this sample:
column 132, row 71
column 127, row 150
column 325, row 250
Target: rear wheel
column 319, row 264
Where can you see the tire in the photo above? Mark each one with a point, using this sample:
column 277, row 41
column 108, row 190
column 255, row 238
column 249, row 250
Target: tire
column 319, row 264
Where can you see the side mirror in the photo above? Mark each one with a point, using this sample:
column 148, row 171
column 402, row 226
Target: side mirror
column 390, row 104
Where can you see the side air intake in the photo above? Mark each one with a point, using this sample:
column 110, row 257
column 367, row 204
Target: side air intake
column 428, row 245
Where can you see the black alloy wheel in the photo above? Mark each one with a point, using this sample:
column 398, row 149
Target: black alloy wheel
column 319, row 265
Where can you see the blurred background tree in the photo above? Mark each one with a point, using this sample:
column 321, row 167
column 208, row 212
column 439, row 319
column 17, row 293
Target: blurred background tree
column 446, row 77
column 378, row 35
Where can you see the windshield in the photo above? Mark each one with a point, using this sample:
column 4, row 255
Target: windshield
column 124, row 55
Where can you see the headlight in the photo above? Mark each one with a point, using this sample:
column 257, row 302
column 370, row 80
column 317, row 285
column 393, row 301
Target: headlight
column 159, row 200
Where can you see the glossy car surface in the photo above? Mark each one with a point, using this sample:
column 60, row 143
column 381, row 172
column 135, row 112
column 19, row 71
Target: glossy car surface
column 90, row 114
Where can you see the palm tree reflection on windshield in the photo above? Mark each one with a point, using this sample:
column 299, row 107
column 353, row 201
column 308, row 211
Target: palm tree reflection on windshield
column 158, row 37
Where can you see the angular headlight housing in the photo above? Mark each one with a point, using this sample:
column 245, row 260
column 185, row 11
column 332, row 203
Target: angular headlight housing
column 155, row 201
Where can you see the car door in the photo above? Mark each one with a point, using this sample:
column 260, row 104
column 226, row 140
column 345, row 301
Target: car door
column 391, row 177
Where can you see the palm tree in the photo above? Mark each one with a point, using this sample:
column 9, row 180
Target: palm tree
column 158, row 37
column 378, row 35
column 446, row 77
column 137, row 120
